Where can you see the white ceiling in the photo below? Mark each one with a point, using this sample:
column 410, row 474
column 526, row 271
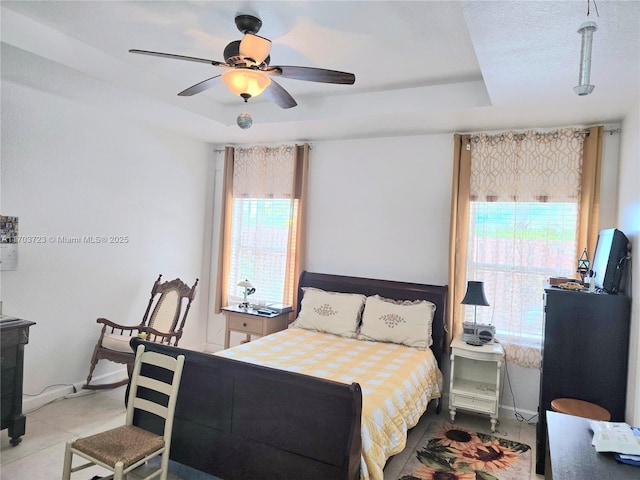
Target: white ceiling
column 420, row 66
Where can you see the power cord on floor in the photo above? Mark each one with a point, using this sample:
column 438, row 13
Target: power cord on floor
column 75, row 390
column 68, row 395
column 518, row 415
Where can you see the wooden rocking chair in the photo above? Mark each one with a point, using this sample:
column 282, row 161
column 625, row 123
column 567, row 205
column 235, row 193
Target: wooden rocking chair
column 161, row 324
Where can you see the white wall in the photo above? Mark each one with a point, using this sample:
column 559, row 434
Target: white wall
column 68, row 170
column 629, row 222
column 379, row 208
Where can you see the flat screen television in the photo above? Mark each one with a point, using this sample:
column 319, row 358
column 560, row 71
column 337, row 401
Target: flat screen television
column 609, row 259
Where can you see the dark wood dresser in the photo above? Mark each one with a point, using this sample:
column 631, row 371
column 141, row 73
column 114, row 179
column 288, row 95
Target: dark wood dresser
column 584, row 354
column 14, row 335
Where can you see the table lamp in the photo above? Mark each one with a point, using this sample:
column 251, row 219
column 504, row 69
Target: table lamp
column 475, row 296
column 248, row 290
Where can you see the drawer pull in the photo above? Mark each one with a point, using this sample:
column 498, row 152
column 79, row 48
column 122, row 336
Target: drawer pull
column 244, row 324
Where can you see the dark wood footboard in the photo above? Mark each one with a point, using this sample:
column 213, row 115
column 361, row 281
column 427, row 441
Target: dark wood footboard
column 241, row 421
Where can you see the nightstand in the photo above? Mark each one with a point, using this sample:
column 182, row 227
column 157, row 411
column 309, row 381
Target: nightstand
column 475, row 378
column 250, row 322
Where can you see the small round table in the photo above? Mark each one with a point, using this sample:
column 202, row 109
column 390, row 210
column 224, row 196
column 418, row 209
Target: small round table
column 580, row 408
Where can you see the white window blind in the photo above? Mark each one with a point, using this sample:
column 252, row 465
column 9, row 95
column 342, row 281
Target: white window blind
column 515, row 247
column 260, row 247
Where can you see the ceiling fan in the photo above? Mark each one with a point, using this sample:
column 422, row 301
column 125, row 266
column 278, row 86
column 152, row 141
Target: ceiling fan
column 248, row 72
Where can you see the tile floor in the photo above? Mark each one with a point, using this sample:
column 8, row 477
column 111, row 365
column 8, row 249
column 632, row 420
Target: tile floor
column 39, row 456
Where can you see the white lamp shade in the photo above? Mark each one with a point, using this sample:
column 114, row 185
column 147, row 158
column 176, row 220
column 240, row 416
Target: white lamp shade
column 255, row 47
column 245, row 82
column 245, row 284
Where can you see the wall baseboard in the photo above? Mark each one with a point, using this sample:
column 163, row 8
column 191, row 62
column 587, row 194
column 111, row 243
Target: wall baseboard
column 212, row 348
column 510, row 412
column 56, row 392
column 197, row 348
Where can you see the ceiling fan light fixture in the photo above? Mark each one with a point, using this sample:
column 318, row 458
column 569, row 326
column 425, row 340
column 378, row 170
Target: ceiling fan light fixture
column 246, row 82
column 255, row 47
column 247, row 68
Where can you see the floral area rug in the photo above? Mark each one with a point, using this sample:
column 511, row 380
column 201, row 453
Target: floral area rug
column 452, row 453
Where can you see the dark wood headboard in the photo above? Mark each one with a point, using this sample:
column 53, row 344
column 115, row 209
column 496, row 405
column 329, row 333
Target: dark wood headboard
column 436, row 294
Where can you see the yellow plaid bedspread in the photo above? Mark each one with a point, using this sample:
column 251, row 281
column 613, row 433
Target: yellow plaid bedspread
column 397, row 382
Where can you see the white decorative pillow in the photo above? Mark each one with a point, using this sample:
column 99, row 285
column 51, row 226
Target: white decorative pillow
column 330, row 312
column 405, row 322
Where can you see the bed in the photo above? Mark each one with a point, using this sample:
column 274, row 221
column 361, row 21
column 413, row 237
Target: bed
column 299, row 403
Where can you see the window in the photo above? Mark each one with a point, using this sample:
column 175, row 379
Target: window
column 514, row 247
column 261, row 229
column 262, row 224
column 524, row 205
column 524, row 199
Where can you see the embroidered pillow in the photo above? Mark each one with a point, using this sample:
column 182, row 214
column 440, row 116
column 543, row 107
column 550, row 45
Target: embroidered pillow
column 404, row 322
column 330, row 312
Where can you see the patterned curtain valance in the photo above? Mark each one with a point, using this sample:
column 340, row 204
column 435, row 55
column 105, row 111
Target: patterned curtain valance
column 527, row 166
column 264, row 172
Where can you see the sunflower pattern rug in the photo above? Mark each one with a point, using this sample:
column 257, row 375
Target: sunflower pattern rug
column 453, row 453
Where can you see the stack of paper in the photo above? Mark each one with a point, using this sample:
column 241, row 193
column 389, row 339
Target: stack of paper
column 619, row 438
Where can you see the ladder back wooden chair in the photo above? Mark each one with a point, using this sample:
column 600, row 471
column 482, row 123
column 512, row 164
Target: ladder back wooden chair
column 163, row 322
column 125, row 448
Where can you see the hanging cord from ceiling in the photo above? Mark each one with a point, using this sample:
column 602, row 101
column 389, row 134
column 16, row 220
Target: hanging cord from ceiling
column 594, row 6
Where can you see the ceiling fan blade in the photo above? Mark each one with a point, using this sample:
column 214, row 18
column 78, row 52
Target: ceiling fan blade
column 311, row 74
column 279, row 95
column 200, row 87
column 255, row 47
column 180, row 57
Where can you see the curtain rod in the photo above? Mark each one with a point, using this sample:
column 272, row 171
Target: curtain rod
column 221, row 150
column 523, row 135
column 610, row 131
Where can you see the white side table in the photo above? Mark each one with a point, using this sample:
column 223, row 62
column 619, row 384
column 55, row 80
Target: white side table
column 475, row 378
